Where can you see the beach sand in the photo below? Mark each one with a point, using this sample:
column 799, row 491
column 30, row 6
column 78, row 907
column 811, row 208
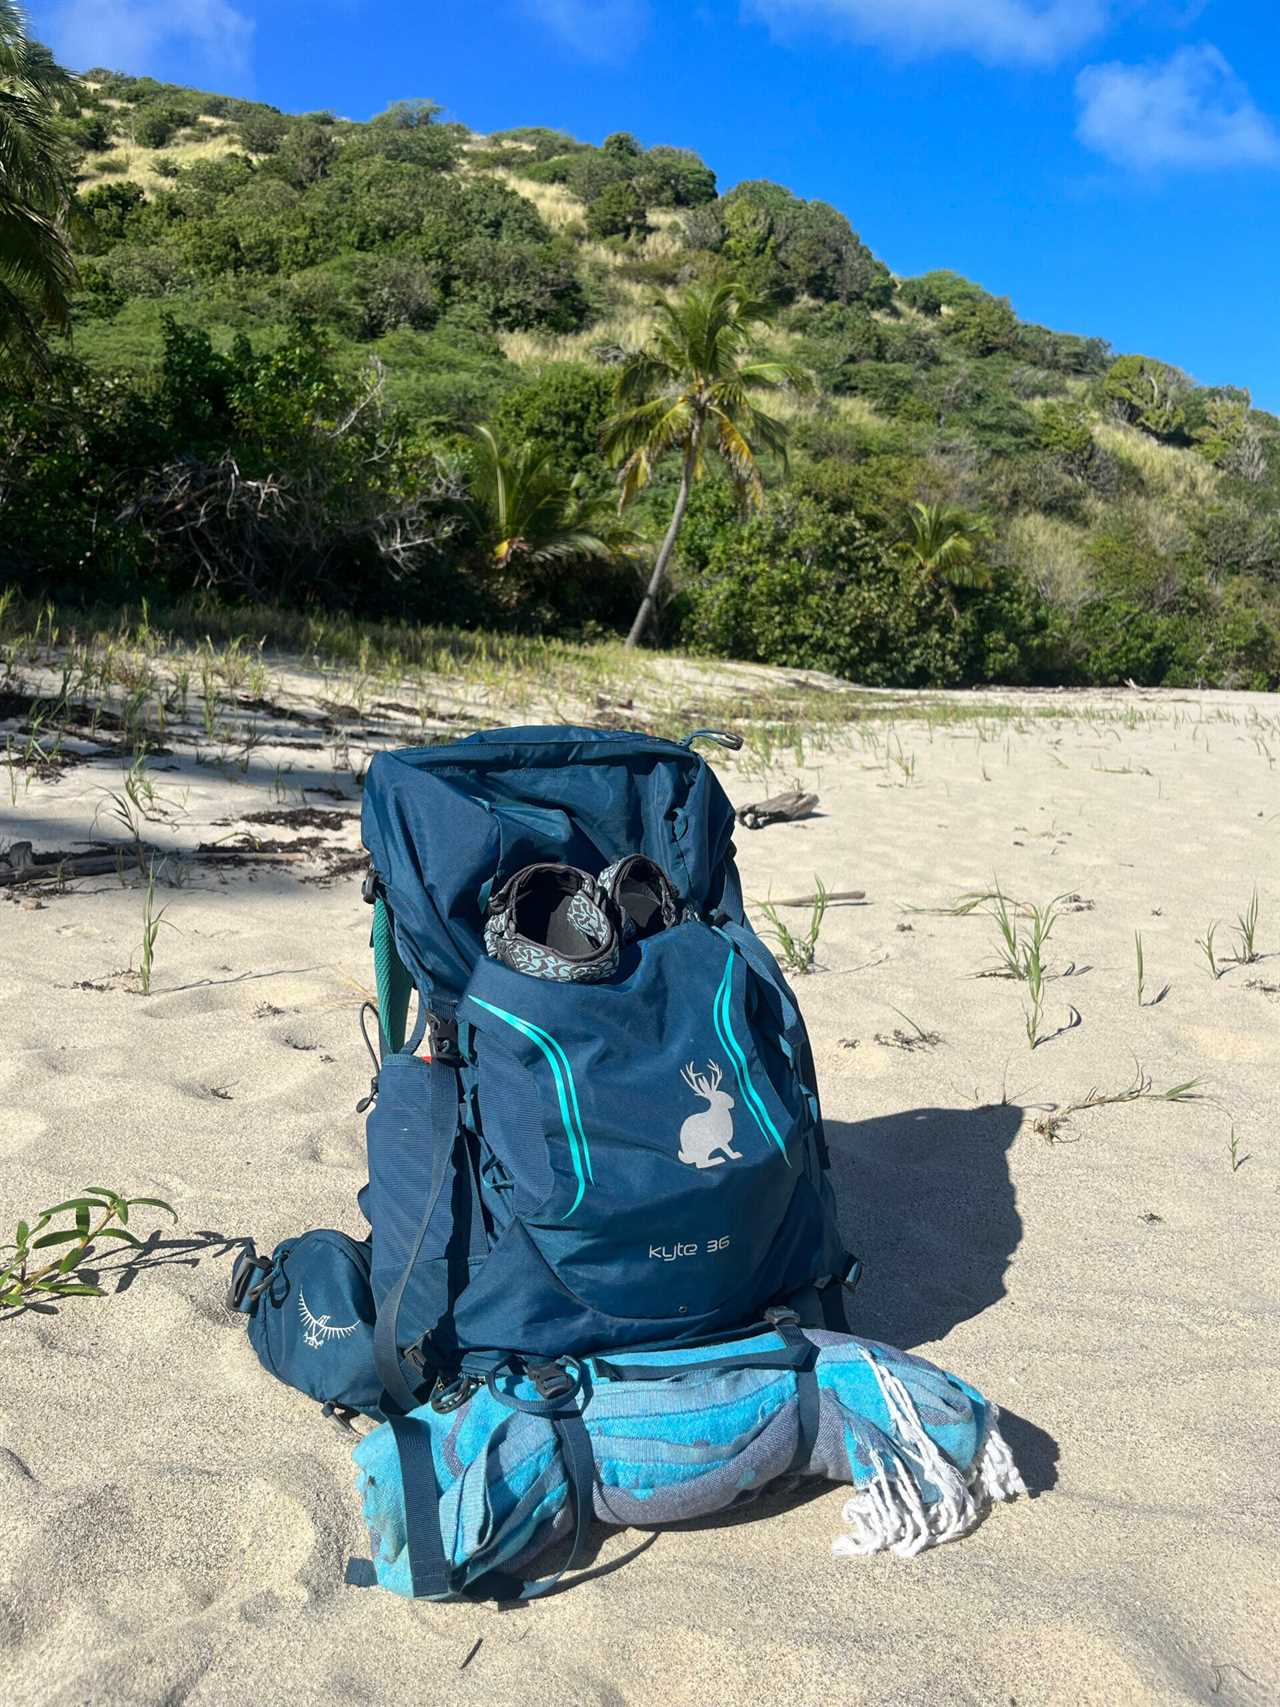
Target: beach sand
column 174, row 1525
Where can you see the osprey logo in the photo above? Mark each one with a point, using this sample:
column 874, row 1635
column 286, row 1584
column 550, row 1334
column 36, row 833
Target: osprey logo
column 711, row 1129
column 318, row 1332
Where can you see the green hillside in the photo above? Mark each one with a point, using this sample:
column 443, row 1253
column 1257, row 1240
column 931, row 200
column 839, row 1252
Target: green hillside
column 288, row 330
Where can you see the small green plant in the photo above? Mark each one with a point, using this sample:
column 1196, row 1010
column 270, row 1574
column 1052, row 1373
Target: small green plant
column 797, row 953
column 1161, row 993
column 1033, row 1009
column 1049, row 1126
column 25, row 1275
column 1233, row 1148
column 1006, row 918
column 1205, row 945
column 151, row 922
column 1246, row 929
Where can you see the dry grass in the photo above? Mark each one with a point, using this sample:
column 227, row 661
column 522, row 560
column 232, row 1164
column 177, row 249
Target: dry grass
column 853, row 411
column 1166, row 469
column 1050, row 552
column 138, row 164
column 627, row 330
column 557, row 206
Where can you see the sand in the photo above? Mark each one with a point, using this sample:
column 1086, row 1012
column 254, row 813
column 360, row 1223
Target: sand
column 174, row 1525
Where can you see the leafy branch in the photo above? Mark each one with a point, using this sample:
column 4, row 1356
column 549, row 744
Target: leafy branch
column 24, row 1273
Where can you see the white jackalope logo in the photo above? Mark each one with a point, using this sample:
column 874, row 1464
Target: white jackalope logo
column 318, row 1331
column 711, row 1129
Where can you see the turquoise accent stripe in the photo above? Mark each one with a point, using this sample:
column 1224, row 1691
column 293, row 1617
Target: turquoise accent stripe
column 545, row 1037
column 566, row 1093
column 725, row 1032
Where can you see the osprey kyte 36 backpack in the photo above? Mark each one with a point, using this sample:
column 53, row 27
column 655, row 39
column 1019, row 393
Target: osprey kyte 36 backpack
column 569, row 1152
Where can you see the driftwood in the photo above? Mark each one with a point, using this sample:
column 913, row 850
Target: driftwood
column 19, row 864
column 831, row 895
column 780, row 809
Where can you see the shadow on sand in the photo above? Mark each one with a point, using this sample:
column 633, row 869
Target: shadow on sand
column 926, row 1201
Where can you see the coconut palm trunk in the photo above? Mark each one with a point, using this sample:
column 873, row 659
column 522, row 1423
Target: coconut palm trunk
column 649, row 604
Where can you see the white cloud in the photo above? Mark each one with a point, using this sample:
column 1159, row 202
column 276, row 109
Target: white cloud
column 1005, row 32
column 127, row 35
column 1191, row 110
column 596, row 29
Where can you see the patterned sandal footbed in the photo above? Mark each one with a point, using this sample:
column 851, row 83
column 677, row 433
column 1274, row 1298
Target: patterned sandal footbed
column 581, row 943
column 549, row 922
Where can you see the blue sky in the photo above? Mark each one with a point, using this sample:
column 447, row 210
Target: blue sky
column 1113, row 166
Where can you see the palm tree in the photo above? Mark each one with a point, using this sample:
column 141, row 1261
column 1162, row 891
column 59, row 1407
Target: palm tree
column 526, row 514
column 36, row 269
column 689, row 390
column 940, row 540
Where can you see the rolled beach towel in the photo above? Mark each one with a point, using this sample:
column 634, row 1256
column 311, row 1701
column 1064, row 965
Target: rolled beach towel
column 920, row 1449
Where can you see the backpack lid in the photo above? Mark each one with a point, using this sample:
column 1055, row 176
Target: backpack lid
column 445, row 825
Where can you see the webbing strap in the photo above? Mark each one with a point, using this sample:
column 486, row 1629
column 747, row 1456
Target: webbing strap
column 808, row 1417
column 443, row 1112
column 796, row 1352
column 430, row 1574
column 580, row 1468
column 395, row 986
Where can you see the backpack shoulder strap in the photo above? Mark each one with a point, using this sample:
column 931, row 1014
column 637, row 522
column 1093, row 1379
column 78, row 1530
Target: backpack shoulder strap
column 395, row 986
column 444, row 1117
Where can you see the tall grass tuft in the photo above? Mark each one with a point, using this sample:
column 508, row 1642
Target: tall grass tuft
column 1205, row 945
column 1246, row 929
column 151, row 922
column 798, row 953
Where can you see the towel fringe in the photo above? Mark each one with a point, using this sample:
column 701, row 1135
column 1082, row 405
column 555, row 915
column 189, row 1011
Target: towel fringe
column 890, row 1514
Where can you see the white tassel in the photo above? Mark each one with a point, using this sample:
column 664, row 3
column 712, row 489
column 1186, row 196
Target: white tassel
column 889, row 1514
column 998, row 1477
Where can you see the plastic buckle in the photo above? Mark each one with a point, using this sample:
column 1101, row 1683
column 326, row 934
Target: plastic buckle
column 369, row 888
column 449, row 1396
column 781, row 1315
column 552, row 1380
column 340, row 1415
column 443, row 1038
column 242, row 1293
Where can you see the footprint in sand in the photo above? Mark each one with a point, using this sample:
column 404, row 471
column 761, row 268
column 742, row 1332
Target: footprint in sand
column 19, row 1129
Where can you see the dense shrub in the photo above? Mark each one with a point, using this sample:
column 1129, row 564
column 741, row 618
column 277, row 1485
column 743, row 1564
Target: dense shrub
column 407, row 132
column 1060, row 352
column 108, row 208
column 92, row 134
column 262, row 130
column 561, row 410
column 922, row 295
column 1149, row 394
column 618, row 211
column 800, row 585
column 306, row 155
column 785, row 247
column 981, row 325
column 674, row 177
column 154, row 126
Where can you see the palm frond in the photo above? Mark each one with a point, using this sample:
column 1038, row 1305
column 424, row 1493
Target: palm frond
column 699, row 369
column 37, row 272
